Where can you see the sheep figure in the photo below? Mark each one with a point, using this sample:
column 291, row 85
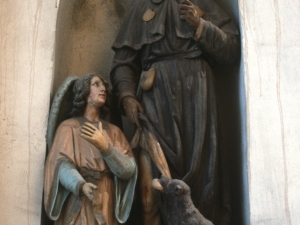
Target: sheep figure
column 180, row 210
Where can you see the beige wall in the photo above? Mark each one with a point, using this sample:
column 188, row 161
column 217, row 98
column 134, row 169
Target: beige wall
column 26, row 67
column 271, row 51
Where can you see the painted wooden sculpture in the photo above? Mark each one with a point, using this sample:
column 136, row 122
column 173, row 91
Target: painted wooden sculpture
column 90, row 172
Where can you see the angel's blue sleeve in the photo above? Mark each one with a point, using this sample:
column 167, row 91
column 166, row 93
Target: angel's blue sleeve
column 125, row 171
column 120, row 164
column 70, row 178
column 124, row 193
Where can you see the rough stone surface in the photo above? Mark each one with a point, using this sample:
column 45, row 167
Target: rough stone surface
column 84, row 36
column 271, row 50
column 26, row 67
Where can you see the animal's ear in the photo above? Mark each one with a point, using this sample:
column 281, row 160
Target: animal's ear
column 178, row 190
column 156, row 184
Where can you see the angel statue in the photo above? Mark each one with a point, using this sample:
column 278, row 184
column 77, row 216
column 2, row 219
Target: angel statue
column 90, row 172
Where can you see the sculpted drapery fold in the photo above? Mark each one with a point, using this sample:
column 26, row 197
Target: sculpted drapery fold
column 114, row 195
column 181, row 105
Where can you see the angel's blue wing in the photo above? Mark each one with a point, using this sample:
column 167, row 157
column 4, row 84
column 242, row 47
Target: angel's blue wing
column 61, row 108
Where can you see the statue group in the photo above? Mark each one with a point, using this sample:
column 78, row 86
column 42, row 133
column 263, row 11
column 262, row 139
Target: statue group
column 163, row 82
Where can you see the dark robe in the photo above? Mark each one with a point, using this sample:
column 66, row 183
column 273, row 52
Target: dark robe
column 181, row 105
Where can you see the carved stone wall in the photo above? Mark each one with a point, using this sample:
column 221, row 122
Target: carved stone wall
column 271, row 51
column 85, row 32
column 27, row 31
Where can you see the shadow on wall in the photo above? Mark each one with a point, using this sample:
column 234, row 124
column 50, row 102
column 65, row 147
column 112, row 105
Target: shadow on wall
column 231, row 96
column 84, row 34
column 85, row 31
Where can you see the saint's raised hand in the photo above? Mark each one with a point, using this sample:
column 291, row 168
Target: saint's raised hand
column 189, row 13
column 94, row 135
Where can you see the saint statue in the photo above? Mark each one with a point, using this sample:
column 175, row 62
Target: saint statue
column 162, row 71
column 90, row 172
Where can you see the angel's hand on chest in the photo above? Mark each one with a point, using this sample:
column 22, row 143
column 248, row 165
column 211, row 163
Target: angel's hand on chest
column 94, row 135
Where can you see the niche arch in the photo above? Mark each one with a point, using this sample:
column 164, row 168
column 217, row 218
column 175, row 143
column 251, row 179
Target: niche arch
column 85, row 31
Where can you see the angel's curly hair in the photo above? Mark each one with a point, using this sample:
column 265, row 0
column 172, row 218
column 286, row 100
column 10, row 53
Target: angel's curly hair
column 81, row 91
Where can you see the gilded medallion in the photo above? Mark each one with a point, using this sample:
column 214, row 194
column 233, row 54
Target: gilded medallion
column 148, row 15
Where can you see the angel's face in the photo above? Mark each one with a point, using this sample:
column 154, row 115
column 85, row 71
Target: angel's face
column 97, row 96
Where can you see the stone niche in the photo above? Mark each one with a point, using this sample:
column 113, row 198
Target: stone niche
column 84, row 35
column 85, row 31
